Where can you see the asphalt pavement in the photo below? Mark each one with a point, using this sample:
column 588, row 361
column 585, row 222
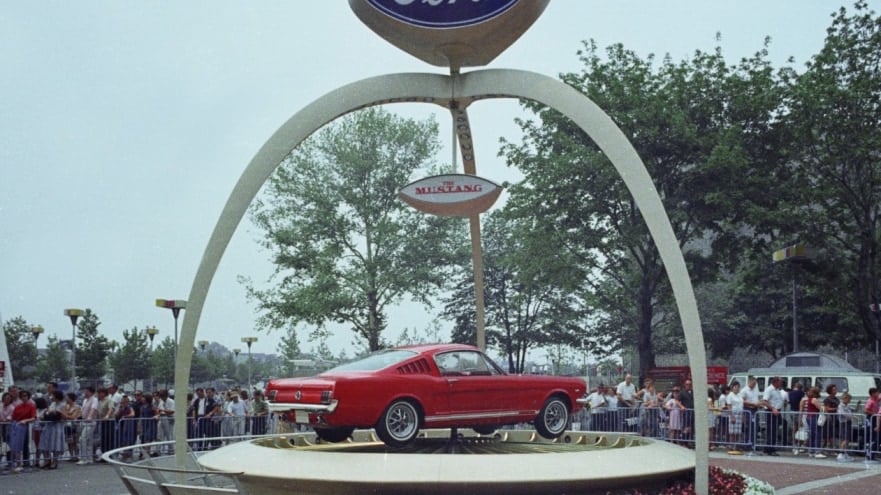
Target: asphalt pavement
column 92, row 479
column 789, row 475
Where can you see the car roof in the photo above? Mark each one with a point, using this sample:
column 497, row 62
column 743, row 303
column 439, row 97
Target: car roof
column 435, row 348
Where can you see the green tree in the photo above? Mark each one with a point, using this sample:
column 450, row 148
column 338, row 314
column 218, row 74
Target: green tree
column 694, row 124
column 22, row 348
column 836, row 121
column 162, row 363
column 288, row 350
column 528, row 285
column 92, row 349
column 54, row 365
column 131, row 360
column 429, row 335
column 201, row 369
column 344, row 245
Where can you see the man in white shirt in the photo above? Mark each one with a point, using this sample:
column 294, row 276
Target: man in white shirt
column 597, row 403
column 773, row 400
column 626, row 395
column 235, row 410
column 87, row 426
column 115, row 396
column 626, row 392
column 751, row 402
column 165, row 415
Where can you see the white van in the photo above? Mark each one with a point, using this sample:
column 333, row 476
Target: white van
column 814, row 370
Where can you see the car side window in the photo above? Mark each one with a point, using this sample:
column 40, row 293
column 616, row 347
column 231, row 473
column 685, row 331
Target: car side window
column 464, row 363
column 806, row 381
column 475, row 364
column 448, row 363
column 839, row 382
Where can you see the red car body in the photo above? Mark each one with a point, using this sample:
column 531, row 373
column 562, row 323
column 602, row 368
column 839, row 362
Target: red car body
column 399, row 391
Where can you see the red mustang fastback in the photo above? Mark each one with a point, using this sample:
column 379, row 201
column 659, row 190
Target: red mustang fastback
column 398, row 391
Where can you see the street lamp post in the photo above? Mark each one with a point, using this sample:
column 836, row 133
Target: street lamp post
column 792, row 254
column 876, row 310
column 74, row 315
column 36, row 331
column 235, row 361
column 249, row 341
column 175, row 305
column 203, row 344
column 151, row 332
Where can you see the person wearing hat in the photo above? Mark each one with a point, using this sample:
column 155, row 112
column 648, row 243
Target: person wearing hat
column 773, row 400
column 235, row 410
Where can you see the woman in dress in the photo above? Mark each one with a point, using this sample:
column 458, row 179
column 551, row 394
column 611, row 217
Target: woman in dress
column 23, row 415
column 674, row 409
column 52, row 438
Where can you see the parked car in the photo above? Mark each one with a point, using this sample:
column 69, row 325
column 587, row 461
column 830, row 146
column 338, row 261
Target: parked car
column 399, row 391
column 817, row 370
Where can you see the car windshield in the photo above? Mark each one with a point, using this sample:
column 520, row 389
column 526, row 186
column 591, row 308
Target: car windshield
column 376, row 361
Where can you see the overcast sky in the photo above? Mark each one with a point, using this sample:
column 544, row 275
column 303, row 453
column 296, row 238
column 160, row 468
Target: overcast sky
column 124, row 126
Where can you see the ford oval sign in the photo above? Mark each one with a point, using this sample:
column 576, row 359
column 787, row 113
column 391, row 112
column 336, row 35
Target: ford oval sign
column 450, row 33
column 443, row 13
column 459, row 195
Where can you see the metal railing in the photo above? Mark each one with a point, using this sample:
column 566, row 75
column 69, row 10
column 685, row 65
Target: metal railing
column 738, row 432
column 85, row 441
column 748, row 432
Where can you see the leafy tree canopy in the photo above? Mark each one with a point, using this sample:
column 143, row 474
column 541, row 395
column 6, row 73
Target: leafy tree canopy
column 344, row 246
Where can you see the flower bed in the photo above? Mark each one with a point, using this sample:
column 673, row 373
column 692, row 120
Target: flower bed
column 722, row 482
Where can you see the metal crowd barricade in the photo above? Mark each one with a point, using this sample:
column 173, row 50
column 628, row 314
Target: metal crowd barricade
column 138, row 437
column 873, row 437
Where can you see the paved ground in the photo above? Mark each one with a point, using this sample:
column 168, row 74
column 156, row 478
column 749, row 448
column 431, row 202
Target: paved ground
column 788, row 474
column 94, row 479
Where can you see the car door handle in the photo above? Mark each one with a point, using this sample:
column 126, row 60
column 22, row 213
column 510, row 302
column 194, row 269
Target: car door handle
column 452, row 380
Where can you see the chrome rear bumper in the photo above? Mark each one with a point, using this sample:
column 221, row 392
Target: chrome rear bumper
column 299, row 406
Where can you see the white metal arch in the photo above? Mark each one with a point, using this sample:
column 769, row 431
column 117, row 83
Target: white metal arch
column 437, row 88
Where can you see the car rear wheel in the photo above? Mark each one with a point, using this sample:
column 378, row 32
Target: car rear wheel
column 334, row 435
column 553, row 418
column 399, row 424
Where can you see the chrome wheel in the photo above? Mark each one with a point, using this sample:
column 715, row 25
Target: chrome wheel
column 399, row 424
column 552, row 418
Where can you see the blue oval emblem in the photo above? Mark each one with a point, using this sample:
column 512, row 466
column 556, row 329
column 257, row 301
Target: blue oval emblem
column 442, row 13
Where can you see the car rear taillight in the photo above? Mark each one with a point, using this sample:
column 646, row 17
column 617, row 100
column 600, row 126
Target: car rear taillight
column 326, row 396
column 272, row 395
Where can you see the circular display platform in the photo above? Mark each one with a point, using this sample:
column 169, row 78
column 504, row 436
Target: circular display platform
column 510, row 462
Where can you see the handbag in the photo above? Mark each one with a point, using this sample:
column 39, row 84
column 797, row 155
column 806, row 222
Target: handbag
column 52, row 416
column 821, row 419
column 802, row 434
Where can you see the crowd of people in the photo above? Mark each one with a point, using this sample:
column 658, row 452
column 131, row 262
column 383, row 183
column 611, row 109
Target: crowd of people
column 740, row 417
column 59, row 425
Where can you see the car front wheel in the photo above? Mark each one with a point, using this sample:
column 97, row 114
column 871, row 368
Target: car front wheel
column 553, row 418
column 399, row 424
